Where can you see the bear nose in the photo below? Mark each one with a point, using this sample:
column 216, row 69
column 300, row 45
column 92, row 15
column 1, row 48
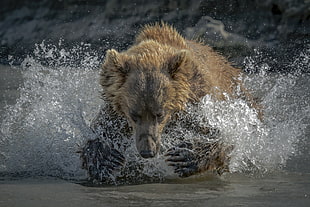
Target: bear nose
column 147, row 153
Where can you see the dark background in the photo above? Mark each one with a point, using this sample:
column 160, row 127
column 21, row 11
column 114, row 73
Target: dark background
column 280, row 29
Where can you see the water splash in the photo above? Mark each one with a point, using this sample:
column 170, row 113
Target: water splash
column 285, row 99
column 60, row 96
column 57, row 101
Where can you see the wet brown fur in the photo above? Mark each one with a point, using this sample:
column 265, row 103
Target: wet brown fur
column 188, row 70
column 202, row 71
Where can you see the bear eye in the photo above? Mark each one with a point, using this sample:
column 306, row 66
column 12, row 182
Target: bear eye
column 135, row 117
column 159, row 116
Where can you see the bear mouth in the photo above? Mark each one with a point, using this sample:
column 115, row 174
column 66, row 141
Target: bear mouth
column 147, row 154
column 147, row 146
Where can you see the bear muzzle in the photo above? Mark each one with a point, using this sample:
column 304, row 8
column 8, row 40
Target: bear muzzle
column 147, row 145
column 147, row 154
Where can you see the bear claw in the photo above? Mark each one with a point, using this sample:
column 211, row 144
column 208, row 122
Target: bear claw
column 183, row 160
column 100, row 160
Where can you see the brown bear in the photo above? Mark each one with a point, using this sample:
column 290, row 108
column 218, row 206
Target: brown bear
column 145, row 86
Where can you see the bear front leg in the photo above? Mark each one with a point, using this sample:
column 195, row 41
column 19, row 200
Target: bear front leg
column 101, row 157
column 193, row 158
column 100, row 160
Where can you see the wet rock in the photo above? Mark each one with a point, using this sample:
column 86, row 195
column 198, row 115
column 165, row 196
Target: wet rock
column 233, row 27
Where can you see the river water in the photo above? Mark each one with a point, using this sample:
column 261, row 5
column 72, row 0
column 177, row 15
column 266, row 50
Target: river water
column 48, row 101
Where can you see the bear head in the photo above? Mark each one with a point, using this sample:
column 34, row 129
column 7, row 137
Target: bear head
column 147, row 86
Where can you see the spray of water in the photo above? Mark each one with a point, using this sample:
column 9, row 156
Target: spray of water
column 41, row 131
column 60, row 95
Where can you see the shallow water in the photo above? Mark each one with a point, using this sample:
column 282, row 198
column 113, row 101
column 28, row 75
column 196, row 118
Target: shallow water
column 47, row 118
column 232, row 190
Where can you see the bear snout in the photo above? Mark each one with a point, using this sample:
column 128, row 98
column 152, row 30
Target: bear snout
column 146, row 146
column 147, row 154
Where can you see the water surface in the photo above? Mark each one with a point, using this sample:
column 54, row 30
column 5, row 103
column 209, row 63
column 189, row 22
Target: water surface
column 49, row 100
column 233, row 190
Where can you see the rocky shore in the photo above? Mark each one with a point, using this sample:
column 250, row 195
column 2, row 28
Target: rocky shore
column 279, row 28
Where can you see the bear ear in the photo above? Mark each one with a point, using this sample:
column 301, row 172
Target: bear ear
column 177, row 61
column 115, row 60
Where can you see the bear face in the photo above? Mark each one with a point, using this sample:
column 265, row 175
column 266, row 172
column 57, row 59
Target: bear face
column 146, row 92
column 146, row 109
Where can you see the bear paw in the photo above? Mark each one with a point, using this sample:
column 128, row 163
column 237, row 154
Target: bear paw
column 183, row 159
column 100, row 160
